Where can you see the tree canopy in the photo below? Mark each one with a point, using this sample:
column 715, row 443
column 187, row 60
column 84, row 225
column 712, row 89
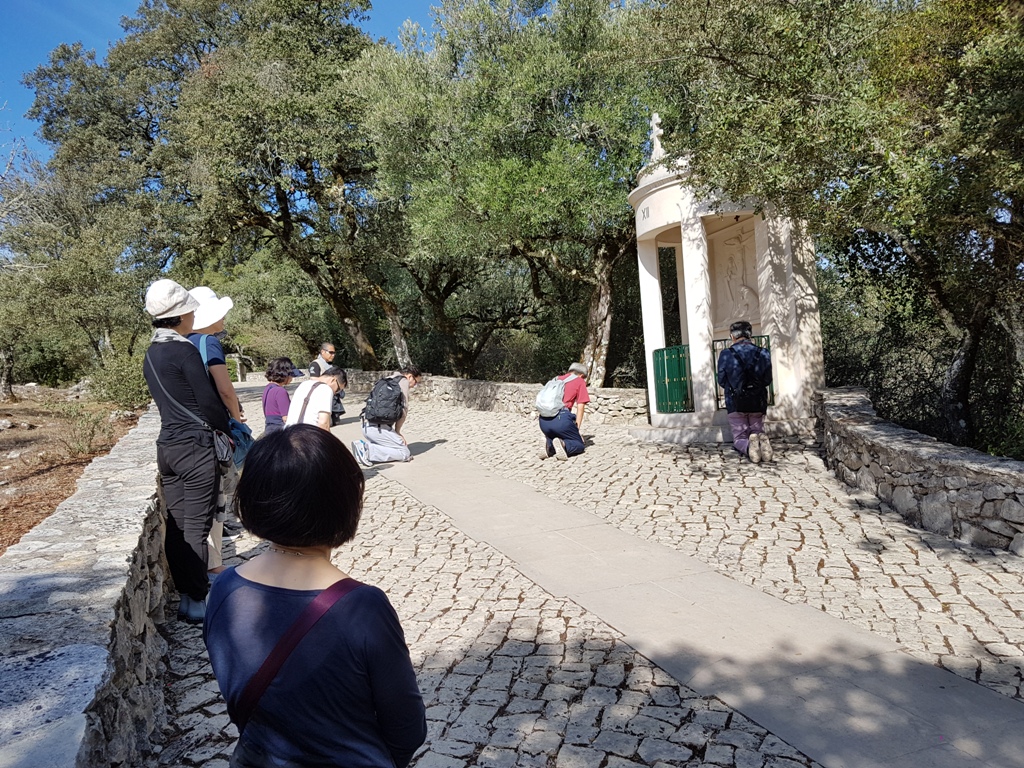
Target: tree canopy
column 460, row 200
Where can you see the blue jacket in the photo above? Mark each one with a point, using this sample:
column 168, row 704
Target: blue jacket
column 730, row 373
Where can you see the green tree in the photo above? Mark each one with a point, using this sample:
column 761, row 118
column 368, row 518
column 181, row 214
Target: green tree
column 894, row 128
column 234, row 119
column 513, row 141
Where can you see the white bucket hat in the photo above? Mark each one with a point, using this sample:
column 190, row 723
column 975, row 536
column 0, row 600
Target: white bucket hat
column 211, row 309
column 165, row 298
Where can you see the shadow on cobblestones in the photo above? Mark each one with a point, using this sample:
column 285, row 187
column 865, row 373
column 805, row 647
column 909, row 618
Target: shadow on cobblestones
column 511, row 675
column 788, row 528
column 856, row 700
column 516, row 677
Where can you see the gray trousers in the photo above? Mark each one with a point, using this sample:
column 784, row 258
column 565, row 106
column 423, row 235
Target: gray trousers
column 385, row 444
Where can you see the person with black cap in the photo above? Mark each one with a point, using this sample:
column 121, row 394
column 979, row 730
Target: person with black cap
column 190, row 411
column 745, row 372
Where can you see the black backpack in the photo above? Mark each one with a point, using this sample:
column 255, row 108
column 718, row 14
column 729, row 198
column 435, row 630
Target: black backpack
column 752, row 394
column 384, row 405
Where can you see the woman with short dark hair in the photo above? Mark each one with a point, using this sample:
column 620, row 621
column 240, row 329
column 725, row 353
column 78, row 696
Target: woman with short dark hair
column 346, row 694
column 280, row 372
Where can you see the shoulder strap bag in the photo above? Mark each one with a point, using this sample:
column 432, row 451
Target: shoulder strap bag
column 221, row 442
column 265, row 675
column 305, row 402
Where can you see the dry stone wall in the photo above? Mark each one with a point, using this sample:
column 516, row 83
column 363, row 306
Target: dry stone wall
column 81, row 596
column 607, row 406
column 950, row 490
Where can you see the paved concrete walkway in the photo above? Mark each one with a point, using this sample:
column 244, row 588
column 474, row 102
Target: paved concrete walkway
column 536, row 595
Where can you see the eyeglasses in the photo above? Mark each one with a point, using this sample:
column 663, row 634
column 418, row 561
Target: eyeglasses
column 328, row 351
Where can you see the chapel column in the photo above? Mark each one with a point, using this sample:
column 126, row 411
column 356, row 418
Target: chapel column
column 698, row 305
column 651, row 310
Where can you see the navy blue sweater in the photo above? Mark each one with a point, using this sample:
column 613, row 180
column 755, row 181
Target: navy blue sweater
column 347, row 695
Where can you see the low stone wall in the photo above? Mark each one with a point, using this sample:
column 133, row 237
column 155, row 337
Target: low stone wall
column 607, row 406
column 957, row 492
column 81, row 596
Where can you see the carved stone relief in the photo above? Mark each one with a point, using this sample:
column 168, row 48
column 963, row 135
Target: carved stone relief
column 733, row 262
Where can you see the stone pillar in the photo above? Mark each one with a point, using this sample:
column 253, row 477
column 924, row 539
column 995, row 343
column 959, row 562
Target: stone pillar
column 808, row 321
column 651, row 309
column 699, row 326
column 778, row 312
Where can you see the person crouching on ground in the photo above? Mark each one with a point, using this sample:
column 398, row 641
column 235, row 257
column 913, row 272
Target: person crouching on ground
column 383, row 440
column 312, row 401
column 280, row 372
column 562, row 436
column 744, row 373
column 347, row 694
column 190, row 410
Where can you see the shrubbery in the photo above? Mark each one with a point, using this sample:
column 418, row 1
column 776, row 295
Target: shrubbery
column 119, row 380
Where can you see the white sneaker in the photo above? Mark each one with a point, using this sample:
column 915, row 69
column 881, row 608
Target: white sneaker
column 754, row 448
column 560, row 453
column 362, row 453
column 544, row 451
column 767, row 453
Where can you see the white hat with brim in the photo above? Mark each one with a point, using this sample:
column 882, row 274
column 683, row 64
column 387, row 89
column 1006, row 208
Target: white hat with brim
column 165, row 298
column 211, row 309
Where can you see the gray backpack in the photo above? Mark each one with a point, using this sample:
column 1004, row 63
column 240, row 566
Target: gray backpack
column 549, row 399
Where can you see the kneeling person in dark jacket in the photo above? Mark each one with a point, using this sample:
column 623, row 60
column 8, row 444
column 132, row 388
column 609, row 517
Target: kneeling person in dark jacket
column 744, row 372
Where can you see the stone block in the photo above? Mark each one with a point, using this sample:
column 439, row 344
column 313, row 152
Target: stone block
column 1000, row 527
column 937, row 514
column 1017, row 545
column 1011, row 510
column 994, row 492
column 981, row 537
column 904, row 501
column 885, row 491
column 866, row 480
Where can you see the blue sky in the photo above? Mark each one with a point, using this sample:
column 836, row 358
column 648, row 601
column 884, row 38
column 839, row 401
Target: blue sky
column 33, row 28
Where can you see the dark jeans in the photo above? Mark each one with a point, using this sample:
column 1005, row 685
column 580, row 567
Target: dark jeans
column 563, row 426
column 189, row 476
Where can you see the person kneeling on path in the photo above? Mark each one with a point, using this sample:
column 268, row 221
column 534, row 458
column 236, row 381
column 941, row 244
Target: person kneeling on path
column 744, row 372
column 562, row 436
column 383, row 417
column 343, row 692
column 311, row 403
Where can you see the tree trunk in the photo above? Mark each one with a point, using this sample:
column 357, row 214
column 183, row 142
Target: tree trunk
column 6, row 375
column 599, row 313
column 955, row 397
column 398, row 337
column 599, row 327
column 364, row 349
column 390, row 310
column 339, row 300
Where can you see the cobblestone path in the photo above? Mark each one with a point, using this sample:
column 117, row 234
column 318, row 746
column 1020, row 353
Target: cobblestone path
column 790, row 529
column 513, row 676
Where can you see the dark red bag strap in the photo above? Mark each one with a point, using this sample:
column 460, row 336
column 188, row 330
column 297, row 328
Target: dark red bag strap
column 265, row 675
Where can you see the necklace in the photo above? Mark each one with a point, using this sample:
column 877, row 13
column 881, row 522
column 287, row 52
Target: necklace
column 298, row 554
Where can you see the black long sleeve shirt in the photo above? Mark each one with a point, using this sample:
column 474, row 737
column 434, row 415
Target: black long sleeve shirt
column 181, row 371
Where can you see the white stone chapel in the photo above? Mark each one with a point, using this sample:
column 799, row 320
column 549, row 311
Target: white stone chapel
column 730, row 264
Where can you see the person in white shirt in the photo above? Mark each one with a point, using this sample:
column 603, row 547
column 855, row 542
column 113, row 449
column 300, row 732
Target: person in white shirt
column 311, row 403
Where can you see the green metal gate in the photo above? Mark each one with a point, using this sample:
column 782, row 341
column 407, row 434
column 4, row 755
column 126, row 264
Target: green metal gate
column 673, row 391
column 718, row 345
